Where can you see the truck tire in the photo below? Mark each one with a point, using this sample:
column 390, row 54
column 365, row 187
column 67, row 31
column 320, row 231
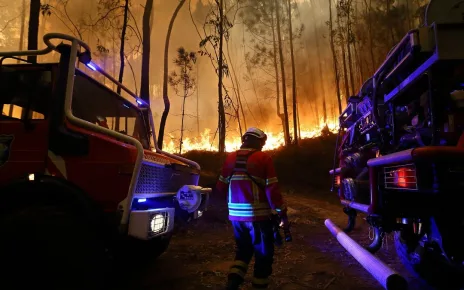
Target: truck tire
column 428, row 264
column 51, row 247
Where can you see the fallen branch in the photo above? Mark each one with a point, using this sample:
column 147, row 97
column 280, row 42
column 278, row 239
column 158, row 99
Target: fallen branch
column 330, row 282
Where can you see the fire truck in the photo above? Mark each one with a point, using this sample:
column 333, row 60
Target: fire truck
column 400, row 155
column 81, row 176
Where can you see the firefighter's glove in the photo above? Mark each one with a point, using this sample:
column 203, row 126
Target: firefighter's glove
column 278, row 241
column 285, row 225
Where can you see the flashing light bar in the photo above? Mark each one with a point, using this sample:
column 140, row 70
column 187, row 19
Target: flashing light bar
column 91, row 65
column 140, row 200
column 94, row 67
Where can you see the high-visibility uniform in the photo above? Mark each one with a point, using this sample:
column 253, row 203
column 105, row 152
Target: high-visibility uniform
column 249, row 179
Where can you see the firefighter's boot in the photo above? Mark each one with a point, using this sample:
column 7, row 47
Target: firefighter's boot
column 259, row 283
column 233, row 282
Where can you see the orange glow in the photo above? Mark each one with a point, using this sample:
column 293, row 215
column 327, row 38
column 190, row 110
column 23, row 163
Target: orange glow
column 405, row 177
column 205, row 141
column 337, row 180
column 401, row 177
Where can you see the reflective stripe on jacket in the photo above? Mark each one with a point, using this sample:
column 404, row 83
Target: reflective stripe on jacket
column 248, row 201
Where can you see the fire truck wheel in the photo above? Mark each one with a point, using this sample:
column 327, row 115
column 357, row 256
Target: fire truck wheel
column 47, row 245
column 427, row 263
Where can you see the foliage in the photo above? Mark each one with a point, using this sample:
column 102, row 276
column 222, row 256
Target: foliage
column 211, row 27
column 258, row 19
column 9, row 29
column 59, row 9
column 108, row 23
column 183, row 82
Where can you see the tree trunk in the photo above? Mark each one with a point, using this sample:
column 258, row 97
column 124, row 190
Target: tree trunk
column 345, row 72
column 237, row 92
column 198, row 104
column 282, row 69
column 348, row 46
column 312, row 86
column 392, row 34
column 368, row 11
column 294, row 101
column 277, row 81
column 334, row 57
column 221, row 112
column 408, row 15
column 33, row 31
column 184, row 72
column 319, row 58
column 167, row 104
column 255, row 92
column 121, row 50
column 146, row 31
column 21, row 34
column 360, row 70
column 122, row 56
column 42, row 27
column 145, row 74
column 114, row 58
column 313, row 101
column 298, row 120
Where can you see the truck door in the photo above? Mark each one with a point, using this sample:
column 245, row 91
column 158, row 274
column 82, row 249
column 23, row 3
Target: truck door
column 25, row 91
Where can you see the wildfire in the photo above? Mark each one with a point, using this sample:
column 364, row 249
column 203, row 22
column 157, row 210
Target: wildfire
column 206, row 143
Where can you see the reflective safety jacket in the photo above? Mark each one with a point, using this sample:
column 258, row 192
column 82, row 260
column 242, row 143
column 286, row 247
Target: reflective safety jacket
column 249, row 178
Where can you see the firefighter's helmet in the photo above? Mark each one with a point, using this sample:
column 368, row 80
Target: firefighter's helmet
column 256, row 133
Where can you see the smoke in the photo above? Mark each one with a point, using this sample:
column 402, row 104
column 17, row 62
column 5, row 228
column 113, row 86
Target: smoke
column 256, row 85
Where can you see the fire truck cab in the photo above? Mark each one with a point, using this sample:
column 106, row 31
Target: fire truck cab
column 81, row 175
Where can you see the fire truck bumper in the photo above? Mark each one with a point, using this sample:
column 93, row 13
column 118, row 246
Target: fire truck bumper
column 148, row 224
column 154, row 215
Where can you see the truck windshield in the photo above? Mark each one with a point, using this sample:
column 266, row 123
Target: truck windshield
column 99, row 105
column 25, row 92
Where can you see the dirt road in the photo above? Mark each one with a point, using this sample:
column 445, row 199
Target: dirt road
column 199, row 256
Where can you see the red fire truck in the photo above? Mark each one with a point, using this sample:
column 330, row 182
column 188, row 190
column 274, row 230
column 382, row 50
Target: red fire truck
column 81, row 176
column 401, row 155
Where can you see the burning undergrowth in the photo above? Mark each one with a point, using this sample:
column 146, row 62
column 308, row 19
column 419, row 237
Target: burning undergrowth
column 299, row 168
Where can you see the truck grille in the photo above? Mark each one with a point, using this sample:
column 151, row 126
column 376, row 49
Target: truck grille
column 154, row 179
column 162, row 179
column 401, row 177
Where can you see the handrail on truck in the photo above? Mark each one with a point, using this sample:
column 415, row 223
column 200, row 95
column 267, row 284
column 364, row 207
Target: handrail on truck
column 86, row 59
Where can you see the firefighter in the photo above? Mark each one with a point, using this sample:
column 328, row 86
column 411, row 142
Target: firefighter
column 249, row 179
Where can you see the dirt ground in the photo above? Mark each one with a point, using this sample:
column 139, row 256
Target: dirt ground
column 199, row 256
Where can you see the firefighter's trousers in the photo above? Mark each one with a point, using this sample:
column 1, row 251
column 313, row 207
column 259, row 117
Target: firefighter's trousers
column 252, row 238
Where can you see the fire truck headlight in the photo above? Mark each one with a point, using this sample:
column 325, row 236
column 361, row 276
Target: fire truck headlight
column 148, row 224
column 158, row 223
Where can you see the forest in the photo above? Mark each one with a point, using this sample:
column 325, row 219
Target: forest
column 212, row 68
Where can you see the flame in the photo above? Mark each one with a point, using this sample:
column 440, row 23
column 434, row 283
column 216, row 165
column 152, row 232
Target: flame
column 208, row 142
